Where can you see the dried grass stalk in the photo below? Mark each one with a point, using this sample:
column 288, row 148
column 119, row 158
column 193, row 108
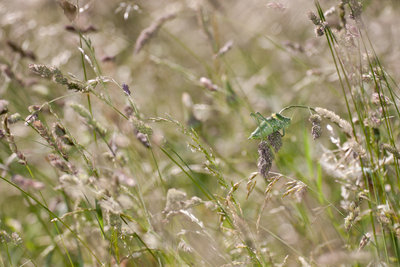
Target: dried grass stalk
column 150, row 31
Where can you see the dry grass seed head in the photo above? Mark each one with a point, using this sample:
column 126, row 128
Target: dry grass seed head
column 352, row 217
column 391, row 149
column 333, row 117
column 18, row 49
column 84, row 113
column 150, row 31
column 364, row 241
column 224, row 49
column 11, row 142
column 143, row 139
column 70, row 10
column 296, row 189
column 14, row 118
column 26, row 183
column 251, row 184
column 125, row 88
column 177, row 202
column 377, row 99
column 207, row 83
column 61, row 164
column 316, row 129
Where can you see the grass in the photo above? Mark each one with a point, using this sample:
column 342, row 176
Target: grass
column 125, row 133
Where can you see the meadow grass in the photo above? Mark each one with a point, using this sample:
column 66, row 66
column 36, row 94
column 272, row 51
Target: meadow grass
column 199, row 133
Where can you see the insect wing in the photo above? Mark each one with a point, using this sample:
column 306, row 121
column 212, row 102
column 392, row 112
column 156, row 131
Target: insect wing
column 282, row 121
column 264, row 127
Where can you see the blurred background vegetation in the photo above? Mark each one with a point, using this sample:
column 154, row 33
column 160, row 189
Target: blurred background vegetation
column 195, row 71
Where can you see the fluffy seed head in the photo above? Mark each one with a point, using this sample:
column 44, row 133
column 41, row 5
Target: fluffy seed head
column 333, row 117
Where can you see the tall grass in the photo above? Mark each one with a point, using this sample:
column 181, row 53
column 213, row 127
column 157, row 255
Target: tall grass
column 125, row 133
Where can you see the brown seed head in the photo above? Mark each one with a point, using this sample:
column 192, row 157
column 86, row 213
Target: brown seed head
column 275, row 140
column 264, row 159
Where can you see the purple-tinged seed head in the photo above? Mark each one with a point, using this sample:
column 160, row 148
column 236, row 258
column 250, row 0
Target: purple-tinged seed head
column 125, row 87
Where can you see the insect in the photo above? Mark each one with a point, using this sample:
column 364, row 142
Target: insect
column 267, row 126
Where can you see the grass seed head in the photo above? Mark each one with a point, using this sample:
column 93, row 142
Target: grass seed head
column 84, row 113
column 26, row 183
column 364, row 241
column 314, row 18
column 207, row 83
column 275, row 140
column 265, row 158
column 58, row 129
column 13, row 118
column 352, row 217
column 391, row 150
column 42, row 70
column 142, row 137
column 333, row 117
column 60, row 133
column 150, row 31
column 44, row 132
column 316, row 129
column 56, row 75
column 60, row 164
column 128, row 110
column 356, row 9
column 227, row 46
column 296, row 189
column 3, row 106
column 18, row 49
column 380, row 99
column 319, row 31
column 125, row 88
column 70, row 10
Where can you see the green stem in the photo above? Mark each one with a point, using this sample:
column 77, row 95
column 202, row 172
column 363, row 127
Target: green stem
column 296, row 106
